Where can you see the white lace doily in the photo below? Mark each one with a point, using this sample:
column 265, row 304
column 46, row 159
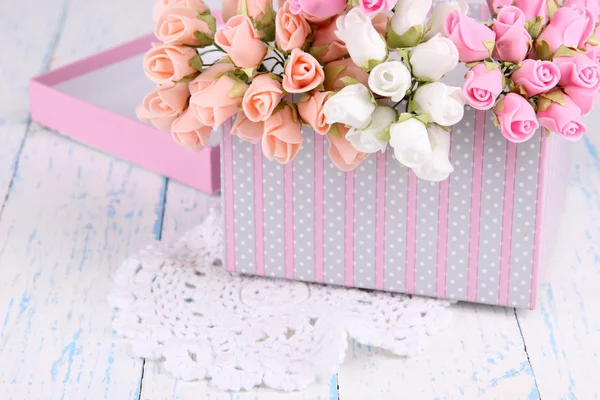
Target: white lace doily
column 181, row 306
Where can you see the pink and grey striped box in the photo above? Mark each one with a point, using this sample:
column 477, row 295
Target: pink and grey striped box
column 478, row 236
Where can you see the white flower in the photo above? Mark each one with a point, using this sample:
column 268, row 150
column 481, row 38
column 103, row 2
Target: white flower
column 410, row 141
column 433, row 59
column 438, row 167
column 409, row 13
column 445, row 105
column 364, row 43
column 366, row 140
column 391, row 79
column 438, row 17
column 353, row 106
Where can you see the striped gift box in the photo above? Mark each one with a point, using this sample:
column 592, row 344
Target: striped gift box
column 478, row 236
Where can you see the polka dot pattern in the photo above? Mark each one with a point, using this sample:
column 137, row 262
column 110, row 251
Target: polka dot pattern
column 427, row 230
column 334, row 181
column 274, row 218
column 243, row 184
column 364, row 224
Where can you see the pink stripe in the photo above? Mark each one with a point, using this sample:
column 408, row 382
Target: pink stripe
column 442, row 239
column 507, row 220
column 259, row 211
column 411, row 233
column 380, row 222
column 228, row 194
column 319, row 209
column 288, row 198
column 476, row 187
column 349, row 231
column 539, row 212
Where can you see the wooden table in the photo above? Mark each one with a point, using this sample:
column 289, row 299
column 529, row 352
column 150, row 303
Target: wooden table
column 69, row 215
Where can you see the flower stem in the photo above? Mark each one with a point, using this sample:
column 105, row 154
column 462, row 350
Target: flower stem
column 211, row 51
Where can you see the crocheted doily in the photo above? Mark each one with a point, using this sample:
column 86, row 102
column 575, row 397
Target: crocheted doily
column 179, row 304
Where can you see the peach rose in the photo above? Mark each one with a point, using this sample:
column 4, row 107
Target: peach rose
column 190, row 133
column 342, row 153
column 180, row 25
column 311, row 112
column 302, row 73
column 262, row 97
column 162, row 106
column 282, row 137
column 216, row 94
column 326, row 46
column 247, row 130
column 256, row 8
column 380, row 23
column 291, row 30
column 336, row 70
column 162, row 5
column 241, row 42
column 169, row 63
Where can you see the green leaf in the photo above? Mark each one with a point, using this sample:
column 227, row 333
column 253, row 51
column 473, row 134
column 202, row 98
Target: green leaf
column 592, row 41
column 489, row 45
column 564, row 51
column 196, row 62
column 266, row 24
column 334, row 132
column 317, row 51
column 404, row 53
column 209, row 19
column 412, row 106
column 543, row 50
column 249, row 72
column 543, row 103
column 424, row 118
column 534, row 26
column 518, row 89
column 204, row 39
column 348, row 80
column 411, row 38
column 243, row 8
column 331, row 75
column 238, row 90
column 188, row 78
column 369, row 65
column 490, row 66
column 557, row 96
column 473, row 64
column 405, row 117
column 385, row 135
column 353, row 3
column 552, row 8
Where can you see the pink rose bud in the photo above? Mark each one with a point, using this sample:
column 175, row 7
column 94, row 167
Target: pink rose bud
column 592, row 5
column 512, row 40
column 256, row 8
column 578, row 71
column 373, row 7
column 326, row 46
column 563, row 120
column 162, row 5
column 168, row 63
column 216, row 95
column 342, row 153
column 530, row 8
column 291, row 30
column 536, row 76
column 469, row 36
column 380, row 23
column 247, row 130
column 179, row 26
column 162, row 106
column 190, row 133
column 318, row 9
column 282, row 136
column 336, row 70
column 571, row 26
column 261, row 98
column 482, row 87
column 302, row 73
column 517, row 118
column 311, row 112
column 585, row 99
column 241, row 42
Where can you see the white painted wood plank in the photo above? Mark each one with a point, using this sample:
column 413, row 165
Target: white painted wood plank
column 563, row 334
column 479, row 356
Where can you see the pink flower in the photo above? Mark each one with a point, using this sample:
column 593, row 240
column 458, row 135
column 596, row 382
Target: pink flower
column 531, row 8
column 311, row 112
column 318, row 8
column 584, row 98
column 178, row 25
column 482, row 87
column 380, row 23
column 216, row 95
column 571, row 26
column 247, row 130
column 336, row 70
column 162, row 106
column 579, row 71
column 291, row 30
column 256, row 8
column 282, row 136
column 241, row 42
column 169, row 63
column 162, row 5
column 302, row 73
column 190, row 133
column 372, row 7
column 517, row 118
column 342, row 153
column 536, row 76
column 512, row 40
column 592, row 5
column 261, row 98
column 563, row 120
column 326, row 46
column 593, row 54
column 469, row 36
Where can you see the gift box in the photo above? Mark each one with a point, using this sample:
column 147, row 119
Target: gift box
column 76, row 101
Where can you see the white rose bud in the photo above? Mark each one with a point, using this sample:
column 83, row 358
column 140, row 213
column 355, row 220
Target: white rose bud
column 365, row 45
column 438, row 17
column 445, row 105
column 367, row 140
column 391, row 79
column 438, row 168
column 353, row 106
column 433, row 59
column 408, row 22
column 410, row 141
